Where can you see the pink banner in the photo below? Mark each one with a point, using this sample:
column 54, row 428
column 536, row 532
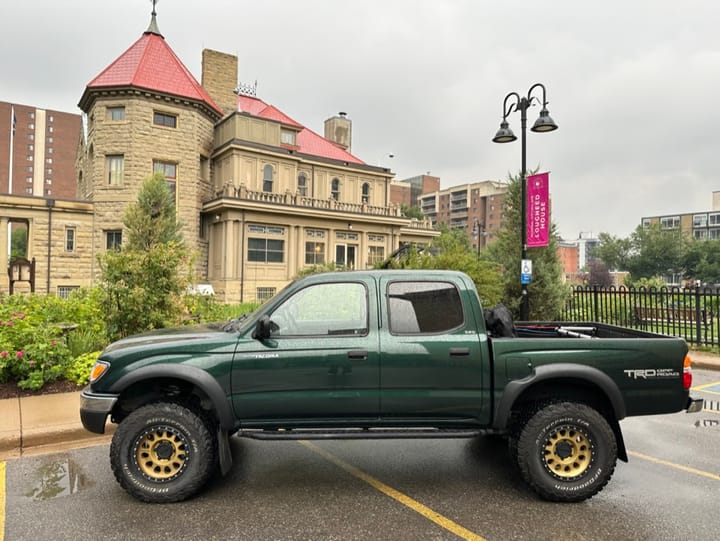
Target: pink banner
column 538, row 210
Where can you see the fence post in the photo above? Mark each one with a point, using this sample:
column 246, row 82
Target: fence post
column 698, row 315
column 596, row 301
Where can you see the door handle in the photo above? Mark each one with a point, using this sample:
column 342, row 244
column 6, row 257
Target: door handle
column 358, row 355
column 459, row 352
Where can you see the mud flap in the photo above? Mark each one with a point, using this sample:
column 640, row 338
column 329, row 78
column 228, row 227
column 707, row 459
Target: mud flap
column 224, row 454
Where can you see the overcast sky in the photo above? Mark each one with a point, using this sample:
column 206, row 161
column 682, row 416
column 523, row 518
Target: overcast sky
column 632, row 84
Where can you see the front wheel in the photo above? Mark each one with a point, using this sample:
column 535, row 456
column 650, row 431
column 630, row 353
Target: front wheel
column 163, row 453
column 567, row 452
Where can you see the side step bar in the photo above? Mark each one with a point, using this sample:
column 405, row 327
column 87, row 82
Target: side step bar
column 356, row 433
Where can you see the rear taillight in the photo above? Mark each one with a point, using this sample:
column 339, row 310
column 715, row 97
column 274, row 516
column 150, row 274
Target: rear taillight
column 687, row 372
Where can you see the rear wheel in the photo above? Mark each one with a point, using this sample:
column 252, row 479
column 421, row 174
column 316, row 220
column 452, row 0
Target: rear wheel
column 567, row 452
column 163, row 453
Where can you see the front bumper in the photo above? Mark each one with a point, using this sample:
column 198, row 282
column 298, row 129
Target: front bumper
column 694, row 404
column 94, row 409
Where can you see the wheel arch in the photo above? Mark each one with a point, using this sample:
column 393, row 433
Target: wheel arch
column 148, row 383
column 565, row 382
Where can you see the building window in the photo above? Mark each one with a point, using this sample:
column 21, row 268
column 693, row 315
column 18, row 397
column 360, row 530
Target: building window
column 266, row 250
column 700, row 220
column 335, row 189
column 115, row 169
column 29, row 158
column 314, row 253
column 50, row 129
column 302, row 184
column 714, row 218
column 116, row 113
column 376, row 254
column 51, row 118
column 287, row 137
column 49, row 139
column 29, row 180
column 700, row 234
column 50, row 150
column 165, row 119
column 48, row 181
column 113, row 239
column 646, row 222
column 264, row 293
column 64, row 292
column 265, row 244
column 29, row 190
column 31, row 114
column 169, row 172
column 670, row 222
column 48, row 160
column 69, row 239
column 366, row 193
column 31, row 147
column 268, row 178
column 31, row 126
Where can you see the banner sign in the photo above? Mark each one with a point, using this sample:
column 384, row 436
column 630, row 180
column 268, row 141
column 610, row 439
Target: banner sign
column 538, row 210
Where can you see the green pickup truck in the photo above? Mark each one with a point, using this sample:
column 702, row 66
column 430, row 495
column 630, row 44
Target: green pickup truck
column 381, row 354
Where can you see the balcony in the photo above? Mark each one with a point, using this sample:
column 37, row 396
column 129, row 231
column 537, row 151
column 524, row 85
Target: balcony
column 290, row 199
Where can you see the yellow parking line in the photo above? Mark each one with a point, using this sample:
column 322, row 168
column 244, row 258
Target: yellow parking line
column 2, row 500
column 706, row 386
column 407, row 501
column 680, row 467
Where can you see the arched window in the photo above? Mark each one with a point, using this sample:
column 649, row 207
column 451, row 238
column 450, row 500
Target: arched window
column 302, row 184
column 335, row 189
column 268, row 178
column 366, row 193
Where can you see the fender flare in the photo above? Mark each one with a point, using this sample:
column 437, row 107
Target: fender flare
column 558, row 371
column 193, row 375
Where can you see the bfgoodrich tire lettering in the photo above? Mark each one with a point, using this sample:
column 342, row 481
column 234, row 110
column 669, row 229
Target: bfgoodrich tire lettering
column 567, row 452
column 163, row 453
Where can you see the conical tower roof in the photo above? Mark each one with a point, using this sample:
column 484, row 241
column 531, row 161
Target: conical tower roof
column 149, row 64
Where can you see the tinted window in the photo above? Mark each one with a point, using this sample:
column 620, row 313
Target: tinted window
column 423, row 307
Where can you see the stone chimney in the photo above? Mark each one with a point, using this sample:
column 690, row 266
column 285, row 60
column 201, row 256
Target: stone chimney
column 220, row 77
column 338, row 129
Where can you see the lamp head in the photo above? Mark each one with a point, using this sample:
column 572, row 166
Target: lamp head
column 504, row 134
column 544, row 122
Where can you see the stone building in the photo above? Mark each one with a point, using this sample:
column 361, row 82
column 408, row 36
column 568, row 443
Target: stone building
column 260, row 196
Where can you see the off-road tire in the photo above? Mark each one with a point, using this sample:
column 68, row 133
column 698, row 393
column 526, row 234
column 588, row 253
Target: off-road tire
column 567, row 452
column 163, row 452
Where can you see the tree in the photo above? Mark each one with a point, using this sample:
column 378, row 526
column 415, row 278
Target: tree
column 152, row 220
column 657, row 252
column 142, row 283
column 546, row 291
column 703, row 261
column 19, row 242
column 613, row 251
column 452, row 250
column 598, row 274
column 411, row 211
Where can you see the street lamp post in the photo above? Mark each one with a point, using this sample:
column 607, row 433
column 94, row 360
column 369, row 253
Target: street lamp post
column 505, row 135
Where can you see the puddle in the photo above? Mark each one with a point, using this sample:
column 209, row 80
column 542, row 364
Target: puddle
column 57, row 478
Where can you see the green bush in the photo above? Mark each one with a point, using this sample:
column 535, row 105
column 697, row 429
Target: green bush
column 42, row 335
column 79, row 370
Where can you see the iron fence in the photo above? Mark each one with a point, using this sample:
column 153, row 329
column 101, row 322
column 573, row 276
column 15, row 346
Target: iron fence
column 691, row 313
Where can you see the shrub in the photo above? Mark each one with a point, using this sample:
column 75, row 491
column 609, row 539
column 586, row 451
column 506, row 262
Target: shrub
column 79, row 370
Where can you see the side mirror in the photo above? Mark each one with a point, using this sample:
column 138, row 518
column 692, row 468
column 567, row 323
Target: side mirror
column 264, row 328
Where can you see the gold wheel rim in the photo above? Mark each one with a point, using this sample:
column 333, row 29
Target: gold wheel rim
column 567, row 453
column 161, row 453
